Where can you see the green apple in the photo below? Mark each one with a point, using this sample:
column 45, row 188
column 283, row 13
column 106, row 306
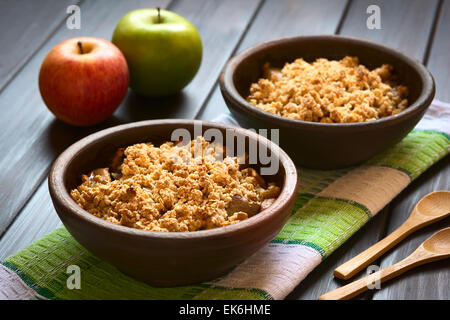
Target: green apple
column 163, row 51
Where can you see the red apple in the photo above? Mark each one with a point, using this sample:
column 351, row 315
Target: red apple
column 83, row 80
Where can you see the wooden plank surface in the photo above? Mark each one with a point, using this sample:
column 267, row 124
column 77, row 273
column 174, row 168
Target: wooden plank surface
column 36, row 220
column 25, row 26
column 39, row 138
column 27, row 157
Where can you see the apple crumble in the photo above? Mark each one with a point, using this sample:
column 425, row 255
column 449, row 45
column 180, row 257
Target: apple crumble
column 174, row 188
column 329, row 91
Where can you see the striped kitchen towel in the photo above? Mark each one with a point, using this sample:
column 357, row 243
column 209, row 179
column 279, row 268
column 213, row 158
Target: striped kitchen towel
column 330, row 207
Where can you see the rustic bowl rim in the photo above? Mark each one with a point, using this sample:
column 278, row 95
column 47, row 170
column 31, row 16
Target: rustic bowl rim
column 60, row 195
column 228, row 88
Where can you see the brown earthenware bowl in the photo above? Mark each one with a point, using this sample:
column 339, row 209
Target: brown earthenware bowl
column 167, row 258
column 323, row 145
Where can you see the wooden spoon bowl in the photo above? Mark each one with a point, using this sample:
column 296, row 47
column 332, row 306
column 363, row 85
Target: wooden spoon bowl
column 434, row 204
column 439, row 243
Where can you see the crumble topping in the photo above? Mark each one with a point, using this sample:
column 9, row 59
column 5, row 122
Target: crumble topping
column 329, row 91
column 173, row 188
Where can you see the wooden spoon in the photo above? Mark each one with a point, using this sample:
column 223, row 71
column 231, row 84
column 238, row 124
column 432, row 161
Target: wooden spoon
column 431, row 208
column 436, row 247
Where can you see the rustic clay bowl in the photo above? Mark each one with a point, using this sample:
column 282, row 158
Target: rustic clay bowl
column 322, row 145
column 165, row 259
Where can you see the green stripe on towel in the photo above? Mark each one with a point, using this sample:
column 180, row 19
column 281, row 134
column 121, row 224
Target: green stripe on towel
column 325, row 222
column 415, row 153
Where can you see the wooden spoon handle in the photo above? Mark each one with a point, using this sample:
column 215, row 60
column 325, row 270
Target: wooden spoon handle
column 359, row 286
column 362, row 260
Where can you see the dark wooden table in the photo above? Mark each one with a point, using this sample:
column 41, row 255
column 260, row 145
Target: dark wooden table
column 31, row 138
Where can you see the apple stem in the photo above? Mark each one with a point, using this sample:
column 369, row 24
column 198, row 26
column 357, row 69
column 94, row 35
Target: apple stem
column 159, row 14
column 80, row 46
